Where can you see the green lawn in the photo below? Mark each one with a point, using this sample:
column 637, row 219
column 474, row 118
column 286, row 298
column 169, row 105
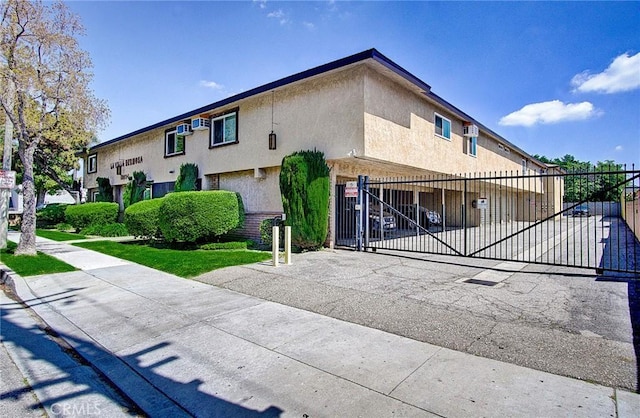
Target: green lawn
column 183, row 263
column 57, row 235
column 26, row 265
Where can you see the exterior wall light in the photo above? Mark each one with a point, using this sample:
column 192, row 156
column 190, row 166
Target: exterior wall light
column 272, row 140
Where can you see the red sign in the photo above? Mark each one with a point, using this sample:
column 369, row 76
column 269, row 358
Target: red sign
column 351, row 189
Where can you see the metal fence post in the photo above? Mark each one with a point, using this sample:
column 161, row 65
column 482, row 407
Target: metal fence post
column 359, row 214
column 464, row 217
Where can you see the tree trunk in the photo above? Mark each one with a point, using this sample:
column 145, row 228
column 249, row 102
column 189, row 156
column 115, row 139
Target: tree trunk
column 27, row 244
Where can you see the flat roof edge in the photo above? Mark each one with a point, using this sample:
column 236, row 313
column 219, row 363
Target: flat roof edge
column 324, row 68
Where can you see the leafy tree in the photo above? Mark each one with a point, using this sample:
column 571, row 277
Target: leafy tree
column 187, row 179
column 602, row 182
column 44, row 76
column 304, row 186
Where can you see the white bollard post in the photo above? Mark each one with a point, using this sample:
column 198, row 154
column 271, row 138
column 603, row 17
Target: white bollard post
column 287, row 245
column 275, row 245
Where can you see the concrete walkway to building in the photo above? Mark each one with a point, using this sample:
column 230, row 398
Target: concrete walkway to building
column 179, row 347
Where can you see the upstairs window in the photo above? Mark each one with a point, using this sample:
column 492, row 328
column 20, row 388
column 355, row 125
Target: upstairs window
column 92, row 163
column 525, row 170
column 173, row 144
column 443, row 127
column 472, row 146
column 224, row 129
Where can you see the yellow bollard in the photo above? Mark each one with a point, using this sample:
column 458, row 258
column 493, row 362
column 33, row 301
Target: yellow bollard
column 287, row 245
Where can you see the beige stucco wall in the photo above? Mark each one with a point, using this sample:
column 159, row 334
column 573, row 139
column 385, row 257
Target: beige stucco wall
column 399, row 127
column 325, row 113
column 258, row 194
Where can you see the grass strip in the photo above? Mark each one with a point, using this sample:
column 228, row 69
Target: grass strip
column 28, row 265
column 58, row 235
column 183, row 263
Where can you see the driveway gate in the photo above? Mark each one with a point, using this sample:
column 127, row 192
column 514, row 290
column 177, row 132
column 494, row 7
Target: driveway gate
column 567, row 219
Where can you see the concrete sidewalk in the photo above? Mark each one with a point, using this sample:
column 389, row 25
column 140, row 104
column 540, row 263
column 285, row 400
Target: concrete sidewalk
column 180, row 347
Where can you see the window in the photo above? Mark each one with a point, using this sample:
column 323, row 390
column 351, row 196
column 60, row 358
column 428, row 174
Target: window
column 524, row 167
column 224, row 129
column 472, row 146
column 94, row 195
column 443, row 127
column 173, row 144
column 92, row 163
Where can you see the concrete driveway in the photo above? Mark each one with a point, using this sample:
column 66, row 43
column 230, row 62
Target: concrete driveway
column 560, row 320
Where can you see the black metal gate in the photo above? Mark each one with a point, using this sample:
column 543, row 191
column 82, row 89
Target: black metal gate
column 585, row 219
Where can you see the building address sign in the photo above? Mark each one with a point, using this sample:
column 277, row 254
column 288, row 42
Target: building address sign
column 126, row 162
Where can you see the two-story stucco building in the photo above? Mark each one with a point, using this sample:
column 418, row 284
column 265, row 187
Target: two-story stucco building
column 366, row 113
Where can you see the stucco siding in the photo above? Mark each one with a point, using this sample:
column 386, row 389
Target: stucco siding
column 400, row 127
column 258, row 194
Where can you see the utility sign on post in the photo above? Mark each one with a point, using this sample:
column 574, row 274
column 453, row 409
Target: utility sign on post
column 351, row 189
column 8, row 179
column 483, row 203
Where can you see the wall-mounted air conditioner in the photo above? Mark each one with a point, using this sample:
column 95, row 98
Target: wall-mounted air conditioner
column 183, row 129
column 200, row 124
column 470, row 130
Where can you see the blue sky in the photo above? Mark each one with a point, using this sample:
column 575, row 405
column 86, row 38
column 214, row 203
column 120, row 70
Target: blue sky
column 553, row 78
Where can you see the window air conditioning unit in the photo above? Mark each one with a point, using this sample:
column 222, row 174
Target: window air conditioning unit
column 183, row 129
column 200, row 124
column 470, row 130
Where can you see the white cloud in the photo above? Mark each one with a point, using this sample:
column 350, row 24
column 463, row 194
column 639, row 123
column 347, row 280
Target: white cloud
column 553, row 111
column 619, row 148
column 211, row 85
column 309, row 25
column 279, row 15
column 622, row 75
column 261, row 3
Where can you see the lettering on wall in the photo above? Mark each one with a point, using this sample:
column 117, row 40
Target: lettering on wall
column 126, row 162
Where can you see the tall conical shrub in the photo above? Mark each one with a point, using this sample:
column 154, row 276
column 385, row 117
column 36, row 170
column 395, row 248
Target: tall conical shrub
column 187, row 179
column 304, row 186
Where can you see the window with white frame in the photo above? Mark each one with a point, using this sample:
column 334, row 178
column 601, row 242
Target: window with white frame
column 472, row 146
column 443, row 126
column 524, row 167
column 94, row 195
column 92, row 163
column 173, row 143
column 224, row 129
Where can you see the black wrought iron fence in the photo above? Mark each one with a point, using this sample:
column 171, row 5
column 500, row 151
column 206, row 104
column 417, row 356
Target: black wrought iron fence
column 558, row 218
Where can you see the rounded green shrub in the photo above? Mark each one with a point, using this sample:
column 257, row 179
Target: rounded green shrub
column 106, row 230
column 143, row 218
column 193, row 216
column 98, row 213
column 51, row 215
column 266, row 231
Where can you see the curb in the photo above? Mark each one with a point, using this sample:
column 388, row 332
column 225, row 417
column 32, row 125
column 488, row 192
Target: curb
column 116, row 371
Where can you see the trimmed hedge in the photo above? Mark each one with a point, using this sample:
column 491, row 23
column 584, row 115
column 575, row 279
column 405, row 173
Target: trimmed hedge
column 98, row 213
column 143, row 218
column 232, row 245
column 106, row 230
column 194, row 216
column 50, row 215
